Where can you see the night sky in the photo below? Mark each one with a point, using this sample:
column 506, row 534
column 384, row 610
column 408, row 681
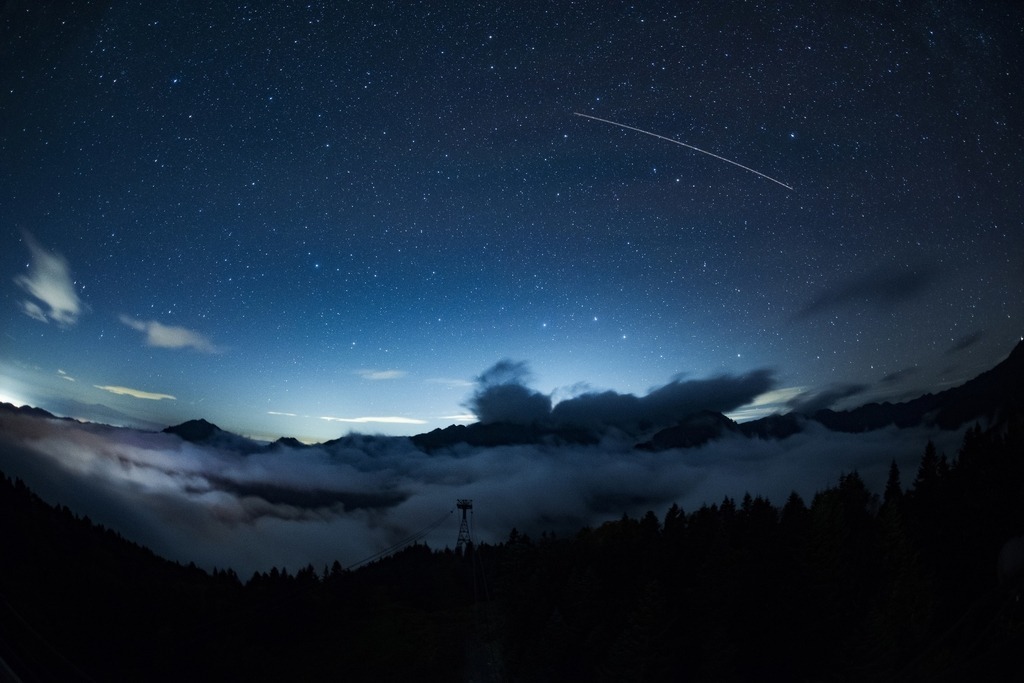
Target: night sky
column 313, row 218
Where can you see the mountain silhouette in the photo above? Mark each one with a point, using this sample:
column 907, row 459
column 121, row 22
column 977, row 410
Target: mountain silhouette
column 196, row 431
column 208, row 434
column 777, row 426
column 288, row 442
column 692, row 431
column 489, row 434
column 26, row 410
column 991, row 397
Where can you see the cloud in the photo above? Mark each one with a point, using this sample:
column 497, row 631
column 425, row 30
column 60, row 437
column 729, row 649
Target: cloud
column 366, row 420
column 505, row 371
column 452, row 382
column 900, row 375
column 774, row 401
column 513, row 403
column 135, row 393
column 811, row 402
column 66, row 376
column 665, row 405
column 377, row 375
column 312, row 498
column 274, row 412
column 881, row 289
column 32, row 310
column 965, row 342
column 502, row 396
column 169, row 337
column 353, row 497
column 49, row 281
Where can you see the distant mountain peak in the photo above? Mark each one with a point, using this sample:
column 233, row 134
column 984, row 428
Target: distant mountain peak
column 692, row 431
column 25, row 410
column 989, row 397
column 195, row 430
column 208, row 434
column 288, row 442
column 489, row 434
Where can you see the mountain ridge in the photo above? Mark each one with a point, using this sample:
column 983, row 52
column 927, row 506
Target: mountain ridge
column 990, row 396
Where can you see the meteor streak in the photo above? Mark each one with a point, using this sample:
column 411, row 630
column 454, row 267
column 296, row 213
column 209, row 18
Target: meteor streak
column 696, row 149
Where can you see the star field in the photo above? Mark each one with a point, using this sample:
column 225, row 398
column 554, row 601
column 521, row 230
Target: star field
column 273, row 213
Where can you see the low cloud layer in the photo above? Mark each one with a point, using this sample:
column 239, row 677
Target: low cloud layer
column 219, row 506
column 48, row 281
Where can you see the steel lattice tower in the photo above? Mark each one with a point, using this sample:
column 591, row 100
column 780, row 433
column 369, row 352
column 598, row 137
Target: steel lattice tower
column 463, row 504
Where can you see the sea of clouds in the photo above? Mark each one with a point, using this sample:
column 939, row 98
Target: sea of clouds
column 348, row 500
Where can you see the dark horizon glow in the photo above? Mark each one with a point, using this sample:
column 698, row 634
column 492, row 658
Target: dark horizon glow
column 306, row 220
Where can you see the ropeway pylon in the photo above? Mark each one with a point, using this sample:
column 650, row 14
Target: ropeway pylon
column 463, row 504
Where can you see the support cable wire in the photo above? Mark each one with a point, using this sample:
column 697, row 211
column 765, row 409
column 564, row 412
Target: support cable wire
column 996, row 604
column 486, row 628
column 29, row 663
column 297, row 591
column 412, row 538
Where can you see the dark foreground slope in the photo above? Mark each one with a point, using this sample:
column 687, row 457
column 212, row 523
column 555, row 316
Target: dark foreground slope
column 903, row 584
column 849, row 586
column 80, row 603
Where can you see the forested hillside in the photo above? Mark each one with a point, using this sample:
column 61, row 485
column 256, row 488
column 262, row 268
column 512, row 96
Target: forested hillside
column 902, row 584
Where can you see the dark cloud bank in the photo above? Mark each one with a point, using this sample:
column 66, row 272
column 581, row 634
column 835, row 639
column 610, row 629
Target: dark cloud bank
column 502, row 396
column 221, row 500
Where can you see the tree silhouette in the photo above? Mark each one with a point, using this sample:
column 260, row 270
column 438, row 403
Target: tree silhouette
column 849, row 587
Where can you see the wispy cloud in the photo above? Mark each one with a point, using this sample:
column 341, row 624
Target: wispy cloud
column 464, row 417
column 900, row 375
column 274, row 412
column 813, row 401
column 777, row 397
column 377, row 375
column 49, row 281
column 64, row 375
column 882, row 290
column 385, row 420
column 452, row 382
column 965, row 342
column 169, row 336
column 135, row 393
column 767, row 403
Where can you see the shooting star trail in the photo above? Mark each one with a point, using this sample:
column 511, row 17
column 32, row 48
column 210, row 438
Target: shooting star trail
column 696, row 149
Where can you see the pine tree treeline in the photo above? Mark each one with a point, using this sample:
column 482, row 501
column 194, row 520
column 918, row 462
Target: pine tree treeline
column 851, row 586
column 856, row 585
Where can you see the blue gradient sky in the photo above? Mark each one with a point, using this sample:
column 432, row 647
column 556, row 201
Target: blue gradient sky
column 267, row 214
